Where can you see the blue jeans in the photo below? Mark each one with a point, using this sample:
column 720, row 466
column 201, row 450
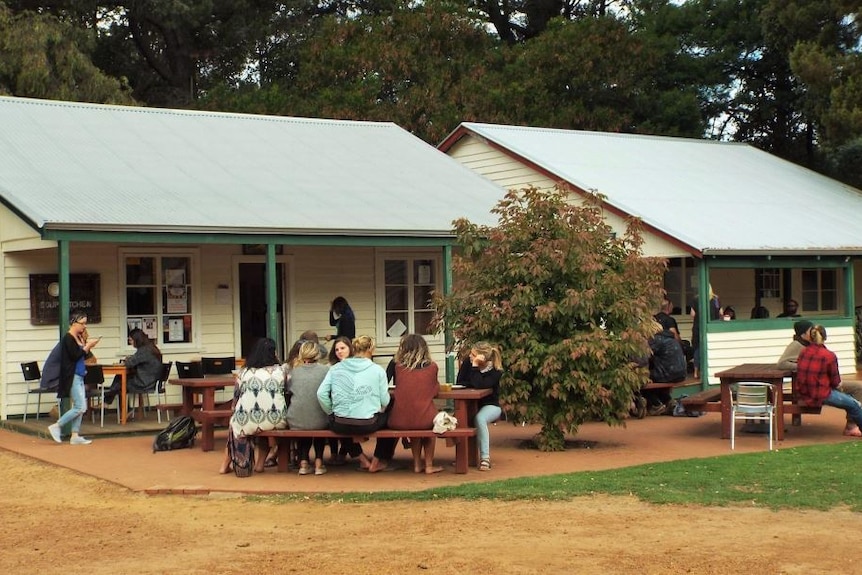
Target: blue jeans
column 847, row 403
column 486, row 414
column 79, row 406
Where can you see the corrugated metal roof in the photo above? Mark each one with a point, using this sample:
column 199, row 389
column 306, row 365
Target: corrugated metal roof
column 714, row 196
column 94, row 167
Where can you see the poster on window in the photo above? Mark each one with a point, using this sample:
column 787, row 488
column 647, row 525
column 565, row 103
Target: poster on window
column 175, row 277
column 149, row 327
column 177, row 301
column 134, row 323
column 175, row 329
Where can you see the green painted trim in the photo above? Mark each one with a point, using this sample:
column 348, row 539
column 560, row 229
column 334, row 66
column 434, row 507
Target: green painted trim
column 849, row 290
column 703, row 312
column 63, row 271
column 777, row 324
column 218, row 238
column 779, row 262
column 447, row 334
column 272, row 295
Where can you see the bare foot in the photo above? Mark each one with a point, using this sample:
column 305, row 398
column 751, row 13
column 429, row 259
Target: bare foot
column 377, row 465
column 363, row 462
column 418, row 469
column 224, row 469
column 434, row 469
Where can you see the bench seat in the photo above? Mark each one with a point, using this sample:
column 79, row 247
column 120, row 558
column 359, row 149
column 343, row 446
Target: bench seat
column 208, row 420
column 706, row 400
column 459, row 436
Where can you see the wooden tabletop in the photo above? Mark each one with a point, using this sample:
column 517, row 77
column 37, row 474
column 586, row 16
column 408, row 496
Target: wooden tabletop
column 754, row 370
column 203, row 382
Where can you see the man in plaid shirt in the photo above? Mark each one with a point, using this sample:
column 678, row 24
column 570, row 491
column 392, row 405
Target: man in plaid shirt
column 817, row 380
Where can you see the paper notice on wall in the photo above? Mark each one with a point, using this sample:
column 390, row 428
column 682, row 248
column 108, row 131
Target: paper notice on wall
column 177, row 299
column 424, row 274
column 149, row 327
column 134, row 323
column 175, row 277
column 175, row 329
column 397, row 330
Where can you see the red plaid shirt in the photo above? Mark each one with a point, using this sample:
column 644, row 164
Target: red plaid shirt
column 816, row 374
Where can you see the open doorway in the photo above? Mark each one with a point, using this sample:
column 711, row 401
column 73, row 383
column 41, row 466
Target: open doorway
column 252, row 305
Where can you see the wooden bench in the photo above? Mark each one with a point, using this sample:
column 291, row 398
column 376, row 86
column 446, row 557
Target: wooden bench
column 706, row 400
column 208, row 420
column 459, row 436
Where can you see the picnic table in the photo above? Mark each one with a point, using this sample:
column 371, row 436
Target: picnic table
column 112, row 369
column 766, row 373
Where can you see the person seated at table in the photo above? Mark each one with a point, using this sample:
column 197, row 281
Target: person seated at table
column 665, row 318
column 788, row 360
column 729, row 313
column 801, row 334
column 482, row 369
column 258, row 405
column 791, row 309
column 666, row 365
column 305, row 375
column 340, row 449
column 355, row 395
column 759, row 312
column 817, row 380
column 416, row 386
column 307, row 335
column 144, row 367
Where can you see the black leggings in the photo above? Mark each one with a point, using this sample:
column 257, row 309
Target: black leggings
column 303, row 446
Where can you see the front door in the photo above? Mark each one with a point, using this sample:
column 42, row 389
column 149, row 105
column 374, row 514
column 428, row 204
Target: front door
column 252, row 305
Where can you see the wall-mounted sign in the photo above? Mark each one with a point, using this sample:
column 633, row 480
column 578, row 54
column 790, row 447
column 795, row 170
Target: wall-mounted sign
column 84, row 296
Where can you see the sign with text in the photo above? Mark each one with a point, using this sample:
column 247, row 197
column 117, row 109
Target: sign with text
column 84, row 296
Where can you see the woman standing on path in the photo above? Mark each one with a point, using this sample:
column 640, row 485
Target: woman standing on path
column 74, row 349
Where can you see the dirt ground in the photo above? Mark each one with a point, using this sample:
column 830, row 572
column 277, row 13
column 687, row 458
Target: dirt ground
column 56, row 519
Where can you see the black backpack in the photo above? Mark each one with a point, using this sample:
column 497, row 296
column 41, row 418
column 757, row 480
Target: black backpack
column 179, row 433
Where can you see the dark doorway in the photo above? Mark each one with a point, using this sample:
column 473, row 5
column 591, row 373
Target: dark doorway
column 252, row 305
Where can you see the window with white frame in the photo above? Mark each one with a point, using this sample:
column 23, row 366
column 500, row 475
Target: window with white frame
column 819, row 290
column 158, row 295
column 407, row 284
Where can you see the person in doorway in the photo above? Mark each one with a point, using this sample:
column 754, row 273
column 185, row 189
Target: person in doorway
column 74, row 350
column 791, row 309
column 817, row 380
column 698, row 324
column 341, row 316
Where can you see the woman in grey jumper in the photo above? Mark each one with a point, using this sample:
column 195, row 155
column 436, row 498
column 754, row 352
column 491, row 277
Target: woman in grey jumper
column 304, row 411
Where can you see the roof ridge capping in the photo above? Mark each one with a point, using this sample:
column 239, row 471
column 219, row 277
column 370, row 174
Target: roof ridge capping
column 190, row 112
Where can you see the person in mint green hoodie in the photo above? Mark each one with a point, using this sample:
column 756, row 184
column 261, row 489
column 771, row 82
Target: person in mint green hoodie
column 355, row 394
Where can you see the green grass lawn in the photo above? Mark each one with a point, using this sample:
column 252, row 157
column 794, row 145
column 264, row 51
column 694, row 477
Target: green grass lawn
column 816, row 477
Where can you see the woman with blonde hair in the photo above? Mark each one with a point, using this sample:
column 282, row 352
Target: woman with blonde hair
column 416, row 386
column 304, row 412
column 817, row 380
column 355, row 394
column 483, row 370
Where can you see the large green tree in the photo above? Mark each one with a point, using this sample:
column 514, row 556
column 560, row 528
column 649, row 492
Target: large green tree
column 569, row 303
column 43, row 57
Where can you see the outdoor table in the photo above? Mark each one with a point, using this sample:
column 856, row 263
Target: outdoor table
column 466, row 406
column 760, row 372
column 113, row 369
column 205, row 386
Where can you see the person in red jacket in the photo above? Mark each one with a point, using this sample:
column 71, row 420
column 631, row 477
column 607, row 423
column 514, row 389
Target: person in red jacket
column 817, row 380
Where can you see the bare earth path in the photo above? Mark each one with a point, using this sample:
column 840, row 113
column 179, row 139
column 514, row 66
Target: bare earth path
column 54, row 519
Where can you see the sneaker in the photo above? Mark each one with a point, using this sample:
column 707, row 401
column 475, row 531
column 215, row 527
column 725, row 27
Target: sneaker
column 305, row 469
column 54, row 430
column 80, row 441
column 657, row 409
column 641, row 408
column 320, row 470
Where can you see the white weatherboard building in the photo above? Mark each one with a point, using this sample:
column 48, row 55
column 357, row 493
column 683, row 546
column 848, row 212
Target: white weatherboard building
column 759, row 229
column 210, row 230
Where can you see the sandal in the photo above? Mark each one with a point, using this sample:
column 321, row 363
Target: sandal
column 485, row 465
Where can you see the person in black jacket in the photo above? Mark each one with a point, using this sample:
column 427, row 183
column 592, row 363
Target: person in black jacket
column 341, row 317
column 483, row 370
column 666, row 365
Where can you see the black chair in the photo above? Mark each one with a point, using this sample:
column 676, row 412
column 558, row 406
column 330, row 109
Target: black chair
column 218, row 365
column 31, row 372
column 189, row 369
column 162, row 392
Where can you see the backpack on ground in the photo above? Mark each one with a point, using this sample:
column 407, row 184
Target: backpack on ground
column 180, row 433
